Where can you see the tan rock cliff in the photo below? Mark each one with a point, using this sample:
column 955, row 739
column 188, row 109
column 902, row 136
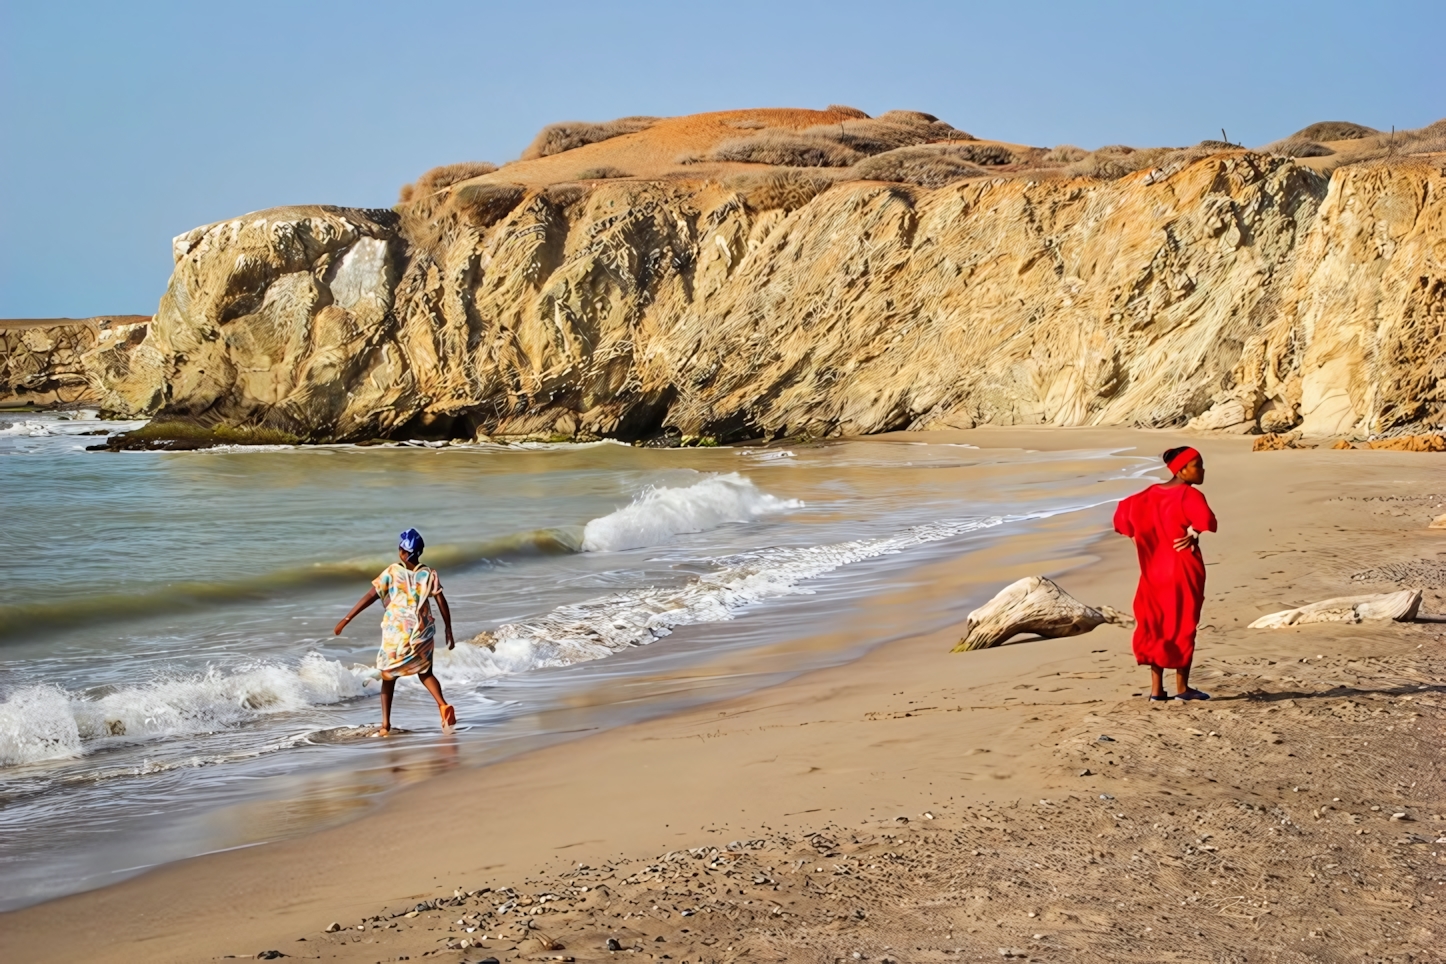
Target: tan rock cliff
column 1236, row 291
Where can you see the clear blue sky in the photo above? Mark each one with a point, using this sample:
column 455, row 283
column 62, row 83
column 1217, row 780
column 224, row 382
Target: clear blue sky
column 123, row 124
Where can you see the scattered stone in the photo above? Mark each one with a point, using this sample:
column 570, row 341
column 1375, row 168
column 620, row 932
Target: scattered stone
column 1343, row 444
column 1086, row 772
column 1273, row 442
column 1103, row 738
column 269, row 956
column 332, row 928
column 1411, row 443
column 613, row 944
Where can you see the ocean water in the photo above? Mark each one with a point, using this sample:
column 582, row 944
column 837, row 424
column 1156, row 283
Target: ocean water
column 170, row 684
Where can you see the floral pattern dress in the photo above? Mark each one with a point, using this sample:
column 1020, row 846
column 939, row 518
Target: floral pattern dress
column 408, row 629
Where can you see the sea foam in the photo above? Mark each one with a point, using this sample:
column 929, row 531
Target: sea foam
column 46, row 722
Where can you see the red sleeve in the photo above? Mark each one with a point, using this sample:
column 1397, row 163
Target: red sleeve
column 1197, row 511
column 1124, row 524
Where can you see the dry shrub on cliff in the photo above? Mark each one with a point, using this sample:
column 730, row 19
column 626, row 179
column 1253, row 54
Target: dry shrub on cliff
column 569, row 135
column 785, row 149
column 1066, row 154
column 601, row 173
column 1430, row 139
column 845, row 109
column 486, row 204
column 835, row 145
column 1298, row 147
column 1117, row 160
column 1210, row 144
column 1332, row 131
column 779, row 190
column 442, row 177
column 927, row 165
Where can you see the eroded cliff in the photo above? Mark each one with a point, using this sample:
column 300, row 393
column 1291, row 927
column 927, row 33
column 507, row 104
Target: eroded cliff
column 1231, row 290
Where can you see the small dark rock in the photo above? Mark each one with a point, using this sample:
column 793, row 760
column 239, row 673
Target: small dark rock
column 1102, row 738
column 614, row 944
column 269, row 955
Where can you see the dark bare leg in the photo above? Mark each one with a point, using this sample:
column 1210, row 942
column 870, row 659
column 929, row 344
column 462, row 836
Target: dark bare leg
column 1157, row 681
column 388, row 687
column 1182, row 680
column 434, row 686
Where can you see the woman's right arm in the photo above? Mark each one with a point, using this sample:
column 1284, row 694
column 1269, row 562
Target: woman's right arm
column 361, row 604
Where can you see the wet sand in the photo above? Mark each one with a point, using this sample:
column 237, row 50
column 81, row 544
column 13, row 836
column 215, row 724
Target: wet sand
column 922, row 805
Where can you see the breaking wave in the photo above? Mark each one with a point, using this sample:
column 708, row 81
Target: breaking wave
column 654, row 517
column 600, row 627
column 46, row 722
column 661, row 512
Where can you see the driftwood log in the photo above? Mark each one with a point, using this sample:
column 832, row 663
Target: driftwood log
column 1401, row 606
column 1037, row 605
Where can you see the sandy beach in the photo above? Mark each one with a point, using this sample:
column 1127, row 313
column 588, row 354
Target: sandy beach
column 918, row 805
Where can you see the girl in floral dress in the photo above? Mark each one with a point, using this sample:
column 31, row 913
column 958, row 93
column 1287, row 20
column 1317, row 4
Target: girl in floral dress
column 406, row 589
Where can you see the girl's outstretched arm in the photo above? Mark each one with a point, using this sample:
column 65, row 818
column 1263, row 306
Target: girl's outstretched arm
column 362, row 603
column 446, row 618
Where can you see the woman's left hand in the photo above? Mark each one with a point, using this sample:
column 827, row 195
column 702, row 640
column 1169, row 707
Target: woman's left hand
column 1189, row 540
column 451, row 643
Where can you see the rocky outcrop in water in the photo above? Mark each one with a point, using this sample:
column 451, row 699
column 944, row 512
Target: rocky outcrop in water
column 1238, row 292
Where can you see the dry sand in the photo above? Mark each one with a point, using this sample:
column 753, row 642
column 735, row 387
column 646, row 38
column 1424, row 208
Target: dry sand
column 916, row 805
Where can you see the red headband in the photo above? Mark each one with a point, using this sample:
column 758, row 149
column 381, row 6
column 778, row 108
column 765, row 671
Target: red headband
column 1181, row 460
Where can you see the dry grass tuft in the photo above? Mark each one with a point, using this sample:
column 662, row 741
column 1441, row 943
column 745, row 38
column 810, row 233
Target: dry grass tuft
column 1213, row 145
column 927, row 165
column 1430, row 139
column 844, row 109
column 1066, row 154
column 834, row 145
column 779, row 190
column 442, row 177
column 601, row 173
column 486, row 204
column 785, row 149
column 1331, row 131
column 570, row 135
column 908, row 117
column 1298, row 147
column 1117, row 160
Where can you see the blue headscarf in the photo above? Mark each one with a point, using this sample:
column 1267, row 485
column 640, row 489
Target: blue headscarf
column 411, row 543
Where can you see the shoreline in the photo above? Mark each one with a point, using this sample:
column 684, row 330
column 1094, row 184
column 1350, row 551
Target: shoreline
column 854, row 745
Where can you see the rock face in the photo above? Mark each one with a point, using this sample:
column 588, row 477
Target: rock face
column 1241, row 291
column 54, row 362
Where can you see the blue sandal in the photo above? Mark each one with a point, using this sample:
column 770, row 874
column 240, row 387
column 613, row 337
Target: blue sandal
column 1160, row 699
column 1193, row 694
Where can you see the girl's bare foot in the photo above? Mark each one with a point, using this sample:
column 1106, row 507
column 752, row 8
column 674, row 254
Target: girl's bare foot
column 382, row 731
column 449, row 715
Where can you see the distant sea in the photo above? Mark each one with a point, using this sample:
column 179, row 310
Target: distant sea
column 169, row 682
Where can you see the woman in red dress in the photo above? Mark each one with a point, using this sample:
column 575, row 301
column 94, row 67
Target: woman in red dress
column 1166, row 521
